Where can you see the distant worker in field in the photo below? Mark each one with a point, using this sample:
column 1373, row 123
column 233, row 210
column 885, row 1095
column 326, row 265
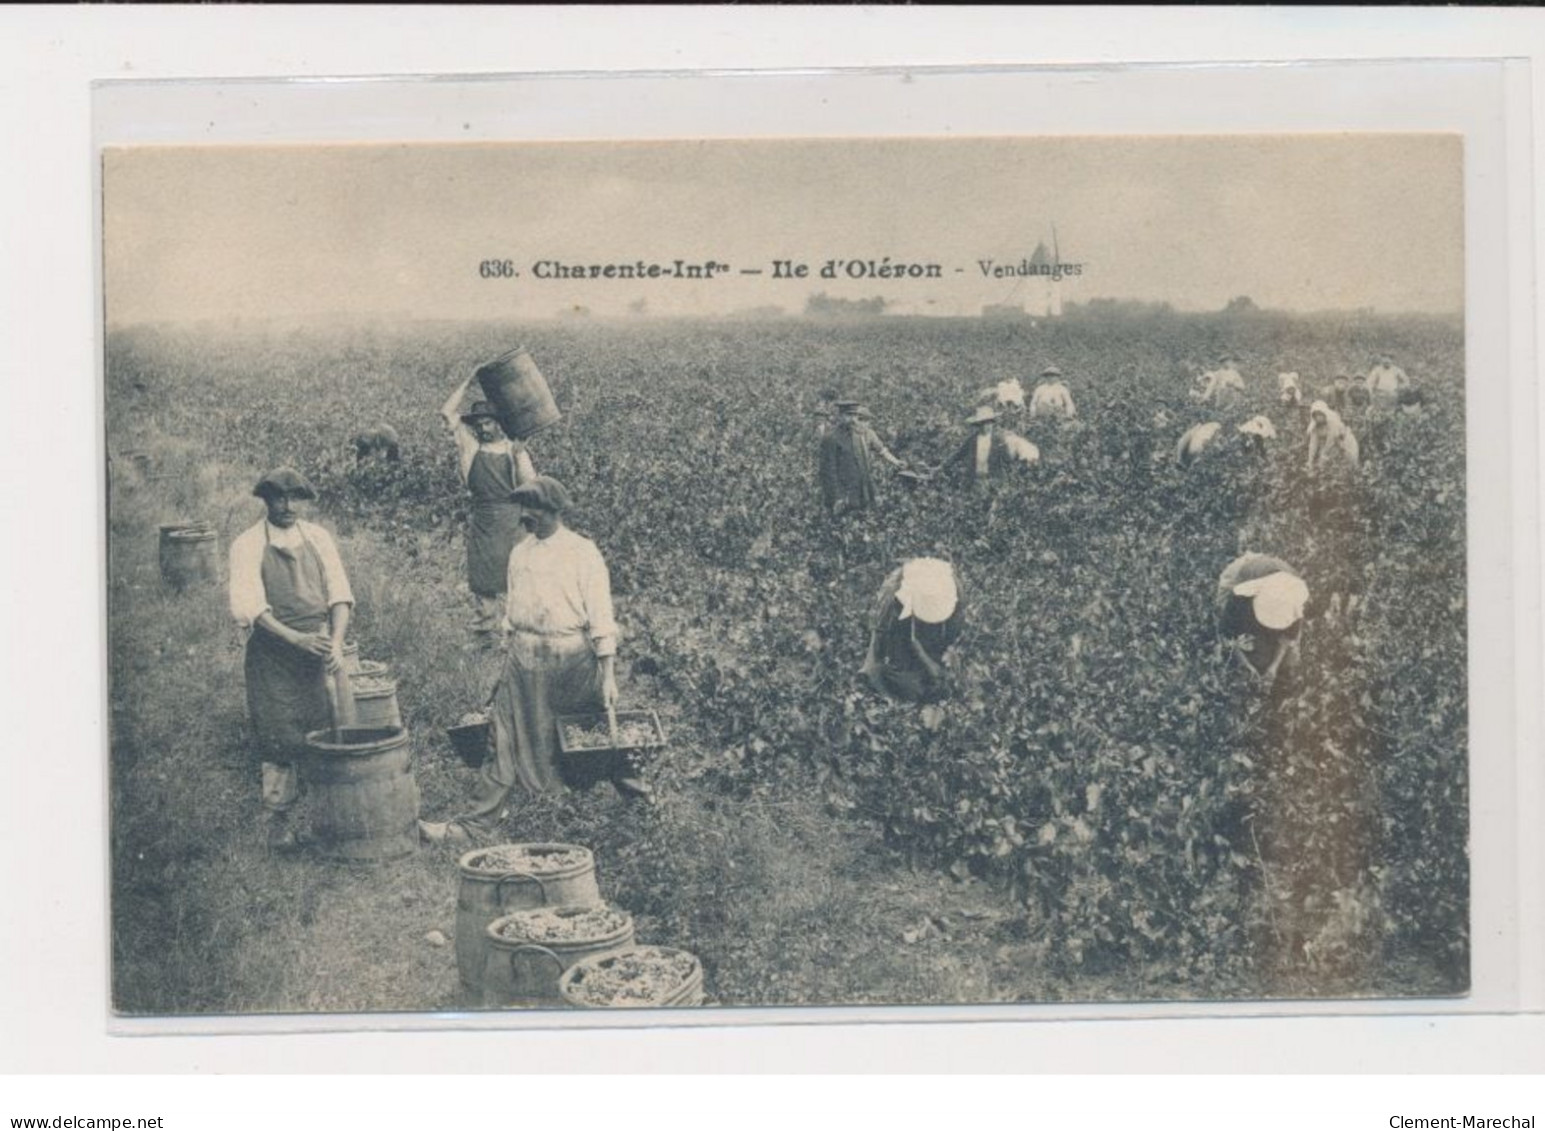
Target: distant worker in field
column 1332, row 447
column 1007, row 395
column 990, row 451
column 1385, row 382
column 379, row 442
column 1196, row 440
column 1223, row 387
column 290, row 596
column 1258, row 433
column 1290, row 393
column 1260, row 606
column 1051, row 399
column 846, row 460
column 915, row 619
column 491, row 467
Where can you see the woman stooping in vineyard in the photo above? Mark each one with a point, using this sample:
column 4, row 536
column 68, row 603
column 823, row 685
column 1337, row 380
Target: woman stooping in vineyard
column 915, row 619
column 1260, row 605
column 491, row 466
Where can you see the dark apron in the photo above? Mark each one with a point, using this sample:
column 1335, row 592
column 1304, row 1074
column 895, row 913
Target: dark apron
column 494, row 526
column 286, row 687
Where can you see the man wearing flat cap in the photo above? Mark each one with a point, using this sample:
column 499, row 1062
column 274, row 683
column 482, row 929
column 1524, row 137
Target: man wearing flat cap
column 491, row 467
column 290, row 595
column 560, row 650
column 847, row 454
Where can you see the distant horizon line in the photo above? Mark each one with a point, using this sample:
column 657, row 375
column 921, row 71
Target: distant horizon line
column 752, row 315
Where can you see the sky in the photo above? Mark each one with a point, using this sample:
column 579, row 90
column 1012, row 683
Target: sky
column 1296, row 222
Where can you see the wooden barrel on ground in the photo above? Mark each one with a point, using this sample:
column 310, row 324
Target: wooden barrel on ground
column 189, row 554
column 364, row 798
column 529, row 951
column 375, row 700
column 514, row 877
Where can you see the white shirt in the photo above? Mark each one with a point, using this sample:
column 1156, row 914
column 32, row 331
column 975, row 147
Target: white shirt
column 1052, row 399
column 1009, row 392
column 1021, row 448
column 249, row 600
column 1220, row 379
column 983, row 454
column 467, row 448
column 559, row 585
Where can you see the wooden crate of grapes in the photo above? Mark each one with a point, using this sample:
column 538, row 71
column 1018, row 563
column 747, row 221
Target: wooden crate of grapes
column 589, row 751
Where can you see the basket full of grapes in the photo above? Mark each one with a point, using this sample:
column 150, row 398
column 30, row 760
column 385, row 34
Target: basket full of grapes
column 593, row 748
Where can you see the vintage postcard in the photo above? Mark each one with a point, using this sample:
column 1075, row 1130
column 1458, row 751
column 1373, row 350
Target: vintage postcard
column 700, row 574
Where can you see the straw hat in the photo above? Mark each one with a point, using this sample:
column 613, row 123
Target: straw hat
column 927, row 590
column 1051, row 371
column 1278, row 599
column 983, row 415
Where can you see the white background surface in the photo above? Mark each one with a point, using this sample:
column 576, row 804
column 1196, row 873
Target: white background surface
column 52, row 984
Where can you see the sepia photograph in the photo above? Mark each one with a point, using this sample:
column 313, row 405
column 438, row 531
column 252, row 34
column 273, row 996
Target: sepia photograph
column 871, row 571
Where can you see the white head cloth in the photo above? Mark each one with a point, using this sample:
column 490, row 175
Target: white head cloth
column 927, row 590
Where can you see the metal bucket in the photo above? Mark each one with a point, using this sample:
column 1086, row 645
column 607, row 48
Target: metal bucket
column 519, row 393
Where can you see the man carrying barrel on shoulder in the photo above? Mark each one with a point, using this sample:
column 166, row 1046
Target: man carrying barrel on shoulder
column 290, row 595
column 491, row 467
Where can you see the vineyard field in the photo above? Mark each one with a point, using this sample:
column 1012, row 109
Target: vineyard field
column 1106, row 807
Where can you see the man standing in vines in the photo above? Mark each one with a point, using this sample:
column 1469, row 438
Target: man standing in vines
column 847, row 454
column 290, row 596
column 491, row 467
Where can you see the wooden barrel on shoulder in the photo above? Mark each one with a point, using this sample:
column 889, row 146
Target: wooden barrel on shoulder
column 364, row 797
column 519, row 393
column 189, row 554
column 492, row 887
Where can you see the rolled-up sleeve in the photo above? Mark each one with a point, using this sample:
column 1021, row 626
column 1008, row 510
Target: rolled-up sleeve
column 466, row 449
column 249, row 600
column 596, row 586
column 333, row 575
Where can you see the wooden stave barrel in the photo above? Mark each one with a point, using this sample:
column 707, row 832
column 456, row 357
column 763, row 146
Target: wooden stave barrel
column 483, row 897
column 188, row 555
column 364, row 799
column 514, row 385
column 524, row 974
column 376, row 708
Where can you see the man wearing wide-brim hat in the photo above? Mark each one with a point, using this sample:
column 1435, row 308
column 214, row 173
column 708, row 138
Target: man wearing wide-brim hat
column 989, row 451
column 491, row 466
column 290, row 595
column 846, row 460
column 1051, row 399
